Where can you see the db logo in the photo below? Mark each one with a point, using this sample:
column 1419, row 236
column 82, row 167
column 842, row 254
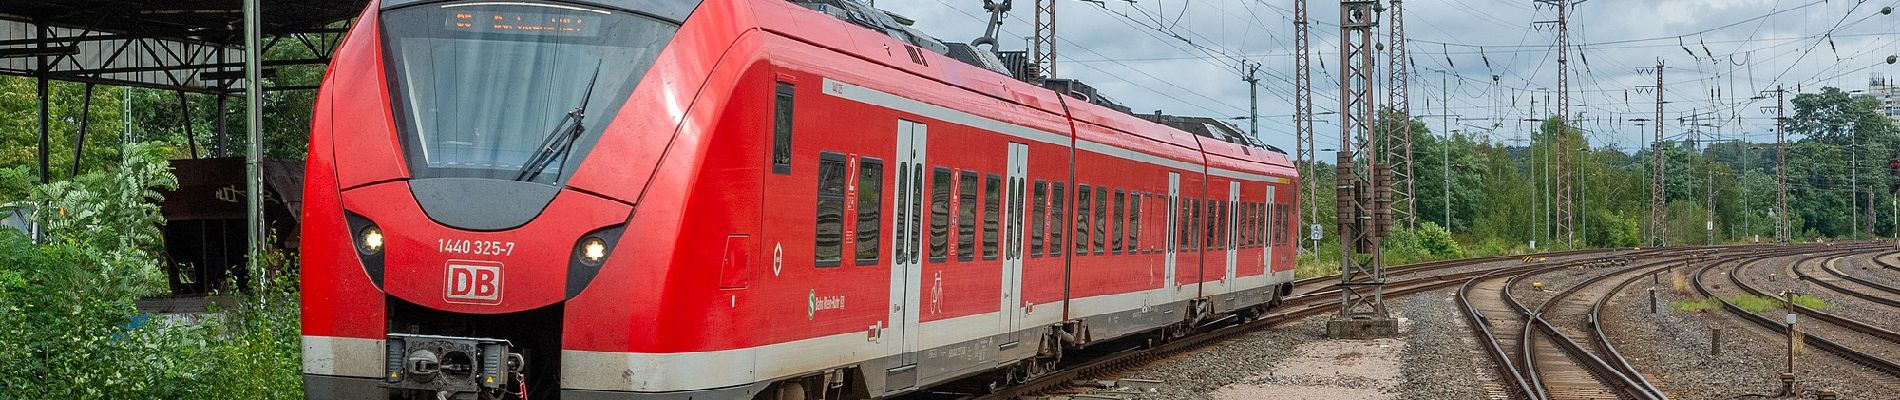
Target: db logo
column 473, row 282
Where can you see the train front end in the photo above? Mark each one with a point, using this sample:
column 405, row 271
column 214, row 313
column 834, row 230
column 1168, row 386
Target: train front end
column 473, row 178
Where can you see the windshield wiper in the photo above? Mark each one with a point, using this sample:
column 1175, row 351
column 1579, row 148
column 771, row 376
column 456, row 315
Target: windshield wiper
column 560, row 141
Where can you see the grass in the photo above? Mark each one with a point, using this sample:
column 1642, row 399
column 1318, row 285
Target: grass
column 1810, row 302
column 1755, row 304
column 1698, row 305
column 1678, row 282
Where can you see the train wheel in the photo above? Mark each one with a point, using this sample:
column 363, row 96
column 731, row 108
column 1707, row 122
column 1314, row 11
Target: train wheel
column 790, row 391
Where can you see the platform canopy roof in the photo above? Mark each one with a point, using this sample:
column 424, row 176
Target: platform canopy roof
column 187, row 45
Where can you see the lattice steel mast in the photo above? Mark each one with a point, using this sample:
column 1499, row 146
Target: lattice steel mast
column 1398, row 134
column 1781, row 167
column 1565, row 232
column 1045, row 45
column 1363, row 184
column 1658, row 211
column 1303, row 115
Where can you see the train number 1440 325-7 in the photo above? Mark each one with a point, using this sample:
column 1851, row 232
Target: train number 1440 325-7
column 475, row 247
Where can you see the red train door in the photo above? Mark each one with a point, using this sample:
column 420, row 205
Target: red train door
column 1228, row 217
column 1174, row 220
column 1268, row 234
column 1012, row 307
column 900, row 338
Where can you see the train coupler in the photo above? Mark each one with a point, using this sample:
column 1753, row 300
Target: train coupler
column 451, row 367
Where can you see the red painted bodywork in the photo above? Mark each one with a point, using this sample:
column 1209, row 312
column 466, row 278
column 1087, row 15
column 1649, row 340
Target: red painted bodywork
column 685, row 165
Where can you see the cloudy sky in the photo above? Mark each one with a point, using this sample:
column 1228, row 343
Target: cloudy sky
column 1182, row 57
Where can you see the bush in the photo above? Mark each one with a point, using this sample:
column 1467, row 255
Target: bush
column 68, row 325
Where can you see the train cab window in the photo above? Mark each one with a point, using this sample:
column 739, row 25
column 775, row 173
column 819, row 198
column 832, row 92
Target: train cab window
column 1121, row 211
column 966, row 215
column 1082, row 195
column 1134, row 222
column 487, row 101
column 782, row 130
column 1039, row 216
column 1101, row 219
column 992, row 210
column 829, row 249
column 940, row 178
column 870, row 209
column 1057, row 217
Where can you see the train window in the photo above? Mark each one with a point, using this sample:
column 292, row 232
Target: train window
column 1039, row 216
column 940, row 213
column 1253, row 224
column 1216, row 224
column 992, row 208
column 966, row 215
column 1134, row 222
column 901, row 242
column 1240, row 223
column 1058, row 211
column 1183, row 228
column 1121, row 211
column 1101, row 219
column 1286, row 220
column 1194, row 218
column 831, row 179
column 1272, row 221
column 870, row 209
column 782, row 130
column 1219, row 215
column 1082, row 196
column 1273, row 230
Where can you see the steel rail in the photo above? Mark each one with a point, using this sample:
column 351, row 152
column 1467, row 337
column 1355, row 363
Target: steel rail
column 1636, row 387
column 1824, row 316
column 1777, row 327
column 1603, row 338
column 1288, row 314
column 1829, row 267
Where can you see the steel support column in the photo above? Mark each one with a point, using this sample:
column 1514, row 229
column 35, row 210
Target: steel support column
column 1398, row 132
column 254, row 125
column 1303, row 119
column 1362, row 181
column 1658, row 175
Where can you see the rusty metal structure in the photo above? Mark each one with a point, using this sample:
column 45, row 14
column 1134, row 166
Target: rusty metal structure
column 1398, row 134
column 1362, row 181
column 1781, row 166
column 1303, row 114
column 1561, row 150
column 1658, row 175
column 210, row 48
column 1044, row 49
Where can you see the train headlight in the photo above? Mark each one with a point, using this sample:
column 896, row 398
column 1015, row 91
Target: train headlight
column 593, row 250
column 589, row 256
column 370, row 239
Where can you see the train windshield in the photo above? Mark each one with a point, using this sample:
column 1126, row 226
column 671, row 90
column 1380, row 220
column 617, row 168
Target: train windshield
column 512, row 90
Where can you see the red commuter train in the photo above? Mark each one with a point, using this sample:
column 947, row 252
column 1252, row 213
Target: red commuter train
column 756, row 199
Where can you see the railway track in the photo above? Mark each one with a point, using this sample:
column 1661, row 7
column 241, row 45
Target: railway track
column 1572, row 315
column 1822, row 336
column 1538, row 357
column 1329, row 284
column 1839, row 281
column 1294, row 308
